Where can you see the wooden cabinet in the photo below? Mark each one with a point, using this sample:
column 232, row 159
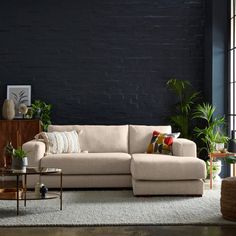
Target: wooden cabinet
column 18, row 132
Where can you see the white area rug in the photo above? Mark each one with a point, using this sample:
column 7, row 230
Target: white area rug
column 115, row 208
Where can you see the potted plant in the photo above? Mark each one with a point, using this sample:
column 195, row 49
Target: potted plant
column 186, row 98
column 212, row 132
column 220, row 141
column 42, row 111
column 19, row 159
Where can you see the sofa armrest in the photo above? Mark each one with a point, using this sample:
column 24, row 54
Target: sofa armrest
column 184, row 147
column 35, row 151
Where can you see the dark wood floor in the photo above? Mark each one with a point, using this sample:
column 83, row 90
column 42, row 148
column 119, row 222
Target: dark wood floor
column 121, row 231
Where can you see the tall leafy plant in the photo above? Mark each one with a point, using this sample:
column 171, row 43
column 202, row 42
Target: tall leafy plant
column 186, row 98
column 43, row 111
column 213, row 127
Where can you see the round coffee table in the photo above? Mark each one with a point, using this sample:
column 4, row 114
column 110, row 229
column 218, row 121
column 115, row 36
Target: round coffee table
column 31, row 195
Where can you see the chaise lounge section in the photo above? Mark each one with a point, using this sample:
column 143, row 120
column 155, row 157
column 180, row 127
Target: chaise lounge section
column 157, row 174
column 115, row 158
column 166, row 175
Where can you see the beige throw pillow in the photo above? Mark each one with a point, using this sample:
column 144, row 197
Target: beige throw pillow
column 60, row 142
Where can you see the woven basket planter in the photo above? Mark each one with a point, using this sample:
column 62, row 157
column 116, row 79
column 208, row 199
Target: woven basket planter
column 228, row 198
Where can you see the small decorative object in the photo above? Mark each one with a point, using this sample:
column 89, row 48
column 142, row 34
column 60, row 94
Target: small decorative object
column 19, row 160
column 219, row 147
column 19, row 94
column 29, row 114
column 8, row 109
column 23, row 109
column 8, row 155
column 37, row 189
column 43, row 191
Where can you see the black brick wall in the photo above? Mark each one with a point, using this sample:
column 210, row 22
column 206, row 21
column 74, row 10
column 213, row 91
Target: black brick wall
column 102, row 61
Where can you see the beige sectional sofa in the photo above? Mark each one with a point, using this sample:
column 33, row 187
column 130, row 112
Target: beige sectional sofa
column 114, row 157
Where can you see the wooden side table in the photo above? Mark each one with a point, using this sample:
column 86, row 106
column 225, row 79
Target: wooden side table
column 216, row 155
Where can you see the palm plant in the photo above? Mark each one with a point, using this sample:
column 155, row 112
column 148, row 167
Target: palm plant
column 186, row 100
column 212, row 132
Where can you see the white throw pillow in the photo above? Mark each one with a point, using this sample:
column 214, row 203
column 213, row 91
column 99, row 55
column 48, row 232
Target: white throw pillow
column 60, row 142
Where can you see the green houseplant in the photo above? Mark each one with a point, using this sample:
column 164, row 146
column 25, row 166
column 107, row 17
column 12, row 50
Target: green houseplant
column 181, row 120
column 210, row 134
column 212, row 131
column 19, row 159
column 42, row 111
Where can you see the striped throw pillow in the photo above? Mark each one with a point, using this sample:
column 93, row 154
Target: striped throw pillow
column 60, row 142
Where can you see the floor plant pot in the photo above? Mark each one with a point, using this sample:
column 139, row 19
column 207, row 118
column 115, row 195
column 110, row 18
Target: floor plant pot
column 19, row 163
column 216, row 170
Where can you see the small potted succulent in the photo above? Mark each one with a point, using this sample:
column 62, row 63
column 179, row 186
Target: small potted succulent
column 19, row 159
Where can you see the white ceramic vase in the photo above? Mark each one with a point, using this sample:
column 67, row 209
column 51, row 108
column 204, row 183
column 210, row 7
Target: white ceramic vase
column 219, row 146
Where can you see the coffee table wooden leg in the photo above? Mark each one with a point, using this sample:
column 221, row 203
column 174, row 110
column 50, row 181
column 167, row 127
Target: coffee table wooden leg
column 211, row 172
column 17, row 194
column 61, row 192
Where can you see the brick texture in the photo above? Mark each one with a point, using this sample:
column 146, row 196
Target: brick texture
column 102, row 61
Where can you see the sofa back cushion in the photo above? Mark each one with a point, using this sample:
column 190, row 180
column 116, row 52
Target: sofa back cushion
column 99, row 138
column 140, row 136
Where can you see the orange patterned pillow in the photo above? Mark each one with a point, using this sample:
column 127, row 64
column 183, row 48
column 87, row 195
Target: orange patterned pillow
column 161, row 143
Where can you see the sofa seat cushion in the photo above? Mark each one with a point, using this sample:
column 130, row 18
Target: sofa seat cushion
column 89, row 163
column 164, row 167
